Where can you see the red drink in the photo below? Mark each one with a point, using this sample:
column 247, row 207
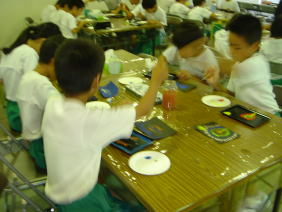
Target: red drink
column 169, row 99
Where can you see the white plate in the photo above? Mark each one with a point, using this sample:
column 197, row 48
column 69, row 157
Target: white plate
column 216, row 101
column 98, row 105
column 130, row 80
column 149, row 163
column 141, row 22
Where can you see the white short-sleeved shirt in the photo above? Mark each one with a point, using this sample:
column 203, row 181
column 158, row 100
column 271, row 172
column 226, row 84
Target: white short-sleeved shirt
column 74, row 137
column 179, row 9
column 159, row 15
column 12, row 67
column 47, row 12
column 129, row 5
column 250, row 81
column 194, row 65
column 272, row 49
column 231, row 5
column 199, row 13
column 221, row 43
column 33, row 92
column 165, row 4
column 66, row 23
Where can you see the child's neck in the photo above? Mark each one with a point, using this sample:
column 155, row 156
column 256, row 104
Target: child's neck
column 43, row 69
column 80, row 97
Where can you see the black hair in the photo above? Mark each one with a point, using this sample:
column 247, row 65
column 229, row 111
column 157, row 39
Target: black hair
column 185, row 33
column 75, row 3
column 44, row 30
column 77, row 63
column 61, row 3
column 198, row 2
column 49, row 47
column 246, row 26
column 148, row 4
column 276, row 27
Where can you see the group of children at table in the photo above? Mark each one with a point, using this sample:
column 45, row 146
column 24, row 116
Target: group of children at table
column 72, row 135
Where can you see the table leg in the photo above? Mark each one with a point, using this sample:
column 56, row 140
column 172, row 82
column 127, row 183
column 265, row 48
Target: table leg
column 277, row 200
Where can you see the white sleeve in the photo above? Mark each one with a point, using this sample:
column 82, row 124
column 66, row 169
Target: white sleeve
column 206, row 13
column 138, row 9
column 184, row 10
column 163, row 19
column 170, row 54
column 236, row 7
column 72, row 24
column 30, row 62
column 44, row 93
column 114, row 124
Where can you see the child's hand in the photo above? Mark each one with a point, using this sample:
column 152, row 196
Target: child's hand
column 141, row 16
column 183, row 75
column 212, row 76
column 153, row 22
column 160, row 71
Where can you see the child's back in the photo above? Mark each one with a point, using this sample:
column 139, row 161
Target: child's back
column 179, row 9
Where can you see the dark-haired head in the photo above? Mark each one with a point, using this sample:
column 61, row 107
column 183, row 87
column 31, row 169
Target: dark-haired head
column 199, row 2
column 75, row 7
column 276, row 27
column 149, row 5
column 78, row 63
column 34, row 33
column 244, row 37
column 61, row 3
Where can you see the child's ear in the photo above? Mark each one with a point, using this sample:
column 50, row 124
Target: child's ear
column 255, row 46
column 95, row 83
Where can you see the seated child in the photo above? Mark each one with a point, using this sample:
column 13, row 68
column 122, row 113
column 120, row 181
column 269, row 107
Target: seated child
column 272, row 47
column 179, row 9
column 33, row 91
column 250, row 76
column 74, row 136
column 50, row 9
column 127, row 6
column 199, row 12
column 19, row 58
column 189, row 51
column 229, row 5
column 65, row 18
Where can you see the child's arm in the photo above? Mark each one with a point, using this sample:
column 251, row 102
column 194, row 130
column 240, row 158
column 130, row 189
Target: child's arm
column 129, row 14
column 159, row 74
column 80, row 25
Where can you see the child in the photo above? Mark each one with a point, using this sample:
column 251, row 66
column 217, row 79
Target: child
column 65, row 18
column 179, row 9
column 272, row 47
column 189, row 51
column 199, row 12
column 74, row 136
column 33, row 91
column 18, row 59
column 127, row 6
column 250, row 76
column 50, row 9
column 229, row 5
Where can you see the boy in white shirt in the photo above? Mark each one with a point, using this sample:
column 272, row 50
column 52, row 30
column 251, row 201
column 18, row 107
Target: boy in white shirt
column 34, row 89
column 189, row 51
column 22, row 57
column 74, row 136
column 229, row 5
column 199, row 12
column 65, row 18
column 179, row 9
column 50, row 9
column 250, row 76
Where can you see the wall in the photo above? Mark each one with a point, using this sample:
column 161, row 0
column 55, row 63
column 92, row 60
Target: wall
column 12, row 15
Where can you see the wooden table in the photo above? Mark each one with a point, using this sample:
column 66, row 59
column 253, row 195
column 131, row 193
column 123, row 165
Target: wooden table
column 200, row 168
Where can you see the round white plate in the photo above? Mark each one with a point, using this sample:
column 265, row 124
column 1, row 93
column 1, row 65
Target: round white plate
column 98, row 105
column 142, row 22
column 130, row 80
column 216, row 101
column 149, row 163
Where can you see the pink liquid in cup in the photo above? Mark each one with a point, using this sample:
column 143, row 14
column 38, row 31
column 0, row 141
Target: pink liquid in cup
column 169, row 99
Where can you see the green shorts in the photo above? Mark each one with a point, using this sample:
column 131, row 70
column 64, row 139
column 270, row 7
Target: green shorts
column 13, row 115
column 36, row 151
column 98, row 200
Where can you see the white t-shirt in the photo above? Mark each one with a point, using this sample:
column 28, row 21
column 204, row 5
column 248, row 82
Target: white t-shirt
column 159, row 15
column 12, row 67
column 129, row 5
column 272, row 49
column 194, row 65
column 179, row 9
column 165, row 4
column 66, row 23
column 231, row 5
column 33, row 92
column 74, row 137
column 250, row 81
column 199, row 13
column 47, row 12
column 221, row 43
